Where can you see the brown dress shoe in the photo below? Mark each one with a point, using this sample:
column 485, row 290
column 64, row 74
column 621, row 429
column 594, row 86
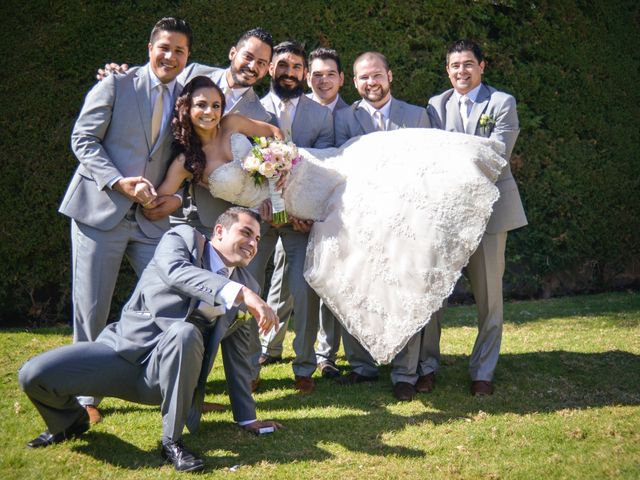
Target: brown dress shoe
column 305, row 384
column 426, row 383
column 404, row 391
column 94, row 414
column 481, row 387
column 352, row 378
column 265, row 360
column 212, row 407
column 254, row 384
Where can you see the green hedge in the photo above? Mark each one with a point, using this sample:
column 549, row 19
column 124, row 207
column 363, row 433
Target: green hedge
column 572, row 66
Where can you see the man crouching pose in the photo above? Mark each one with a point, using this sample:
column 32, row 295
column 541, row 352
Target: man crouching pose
column 190, row 299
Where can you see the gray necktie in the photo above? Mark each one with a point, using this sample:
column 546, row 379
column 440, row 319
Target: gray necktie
column 158, row 113
column 285, row 118
column 379, row 120
column 465, row 105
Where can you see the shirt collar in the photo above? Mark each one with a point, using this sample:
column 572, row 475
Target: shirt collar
column 330, row 106
column 277, row 100
column 155, row 81
column 236, row 92
column 386, row 108
column 215, row 262
column 473, row 94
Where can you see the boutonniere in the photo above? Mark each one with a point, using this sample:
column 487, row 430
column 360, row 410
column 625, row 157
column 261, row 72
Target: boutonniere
column 487, row 122
column 243, row 316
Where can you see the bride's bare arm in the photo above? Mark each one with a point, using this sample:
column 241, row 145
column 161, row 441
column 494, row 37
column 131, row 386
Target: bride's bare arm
column 251, row 128
column 174, row 177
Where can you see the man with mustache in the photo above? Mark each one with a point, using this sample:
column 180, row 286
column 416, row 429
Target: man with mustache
column 380, row 111
column 308, row 125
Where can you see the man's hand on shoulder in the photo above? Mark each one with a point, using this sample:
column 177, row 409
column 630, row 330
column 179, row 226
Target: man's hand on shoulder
column 111, row 68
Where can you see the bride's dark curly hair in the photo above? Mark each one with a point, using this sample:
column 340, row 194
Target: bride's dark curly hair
column 185, row 140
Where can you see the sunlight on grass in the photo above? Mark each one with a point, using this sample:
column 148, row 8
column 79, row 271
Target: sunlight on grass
column 567, row 405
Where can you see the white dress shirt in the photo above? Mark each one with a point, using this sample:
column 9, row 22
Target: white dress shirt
column 385, row 110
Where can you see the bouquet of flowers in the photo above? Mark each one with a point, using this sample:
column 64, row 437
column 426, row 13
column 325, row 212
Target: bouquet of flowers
column 268, row 160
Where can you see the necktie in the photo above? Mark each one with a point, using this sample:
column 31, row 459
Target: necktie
column 224, row 271
column 228, row 98
column 465, row 104
column 158, row 111
column 285, row 118
column 379, row 120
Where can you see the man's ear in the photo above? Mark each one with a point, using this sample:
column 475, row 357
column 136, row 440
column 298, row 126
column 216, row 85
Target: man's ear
column 218, row 230
column 232, row 53
column 390, row 75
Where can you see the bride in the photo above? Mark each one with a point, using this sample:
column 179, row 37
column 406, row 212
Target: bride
column 397, row 214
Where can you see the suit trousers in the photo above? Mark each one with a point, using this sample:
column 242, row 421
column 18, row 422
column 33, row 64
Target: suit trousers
column 420, row 356
column 167, row 377
column 485, row 271
column 306, row 303
column 329, row 331
column 96, row 257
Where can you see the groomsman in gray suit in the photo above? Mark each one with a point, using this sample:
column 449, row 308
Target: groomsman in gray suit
column 250, row 58
column 191, row 299
column 413, row 369
column 325, row 77
column 308, row 125
column 121, row 139
column 477, row 109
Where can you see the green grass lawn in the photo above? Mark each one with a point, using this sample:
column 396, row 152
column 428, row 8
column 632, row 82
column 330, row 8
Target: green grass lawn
column 567, row 405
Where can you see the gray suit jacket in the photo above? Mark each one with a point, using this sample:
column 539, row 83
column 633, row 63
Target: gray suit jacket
column 508, row 213
column 168, row 291
column 312, row 127
column 355, row 121
column 204, row 206
column 111, row 138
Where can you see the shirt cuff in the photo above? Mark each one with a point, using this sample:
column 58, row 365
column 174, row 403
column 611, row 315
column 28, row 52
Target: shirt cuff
column 112, row 182
column 229, row 292
column 247, row 422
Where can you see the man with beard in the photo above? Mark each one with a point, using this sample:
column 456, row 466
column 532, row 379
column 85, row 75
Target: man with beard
column 379, row 111
column 325, row 78
column 308, row 125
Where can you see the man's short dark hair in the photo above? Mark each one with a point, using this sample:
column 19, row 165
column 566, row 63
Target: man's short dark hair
column 465, row 45
column 370, row 55
column 172, row 24
column 231, row 216
column 325, row 54
column 259, row 33
column 289, row 46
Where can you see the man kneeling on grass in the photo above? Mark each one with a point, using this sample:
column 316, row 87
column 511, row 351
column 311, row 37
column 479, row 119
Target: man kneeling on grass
column 191, row 298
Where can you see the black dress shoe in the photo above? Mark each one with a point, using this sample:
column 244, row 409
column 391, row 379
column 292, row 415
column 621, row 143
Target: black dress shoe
column 183, row 460
column 352, row 378
column 328, row 369
column 404, row 391
column 75, row 429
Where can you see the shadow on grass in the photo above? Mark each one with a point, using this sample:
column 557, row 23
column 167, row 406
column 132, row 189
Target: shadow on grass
column 525, row 383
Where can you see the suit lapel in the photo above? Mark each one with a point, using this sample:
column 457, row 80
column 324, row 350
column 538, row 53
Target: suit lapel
column 453, row 121
column 142, row 89
column 363, row 118
column 396, row 115
column 479, row 106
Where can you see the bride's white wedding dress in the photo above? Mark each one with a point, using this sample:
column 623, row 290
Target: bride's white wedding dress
column 397, row 216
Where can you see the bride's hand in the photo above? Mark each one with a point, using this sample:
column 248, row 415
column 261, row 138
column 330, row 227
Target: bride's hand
column 282, row 181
